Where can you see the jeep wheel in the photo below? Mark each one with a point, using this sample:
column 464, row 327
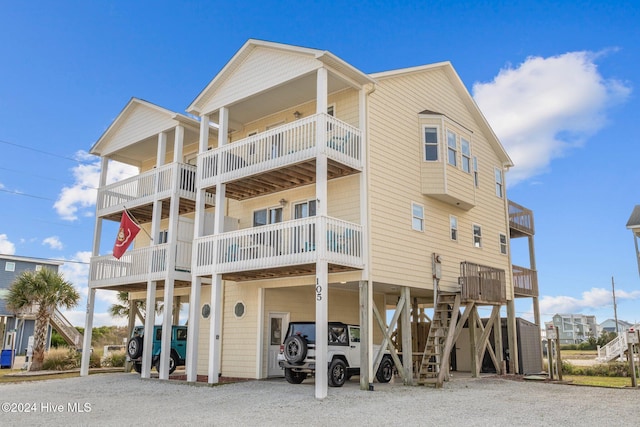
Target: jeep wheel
column 134, row 348
column 295, row 349
column 137, row 367
column 293, row 377
column 337, row 373
column 172, row 363
column 385, row 371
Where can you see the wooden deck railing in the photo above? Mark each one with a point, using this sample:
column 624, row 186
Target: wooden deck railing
column 525, row 281
column 520, row 219
column 278, row 147
column 482, row 284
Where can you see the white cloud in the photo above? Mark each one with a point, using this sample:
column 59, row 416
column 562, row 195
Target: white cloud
column 6, row 247
column 53, row 242
column 546, row 106
column 77, row 318
column 78, row 272
column 592, row 299
column 82, row 194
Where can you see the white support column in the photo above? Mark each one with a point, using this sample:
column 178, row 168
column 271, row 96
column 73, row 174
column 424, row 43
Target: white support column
column 88, row 328
column 162, row 149
column 366, row 358
column 178, row 144
column 147, row 346
column 215, row 338
column 322, row 266
column 167, row 321
column 193, row 331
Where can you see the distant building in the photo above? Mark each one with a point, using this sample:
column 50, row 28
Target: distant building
column 16, row 329
column 574, row 328
column 609, row 325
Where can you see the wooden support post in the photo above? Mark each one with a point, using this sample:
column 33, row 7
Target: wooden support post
column 407, row 351
column 512, row 337
column 632, row 365
column 497, row 339
column 550, row 357
column 558, row 355
column 473, row 345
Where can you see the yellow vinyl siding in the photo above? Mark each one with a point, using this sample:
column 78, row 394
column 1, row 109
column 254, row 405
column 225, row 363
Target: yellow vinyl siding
column 401, row 255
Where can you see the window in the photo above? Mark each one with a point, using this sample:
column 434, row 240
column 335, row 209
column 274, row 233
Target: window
column 477, row 236
column 465, row 149
column 452, row 149
column 453, row 221
column 430, row 144
column 304, row 209
column 476, row 178
column 331, row 110
column 10, row 266
column 499, row 182
column 267, row 216
column 163, row 237
column 417, row 217
column 239, row 310
column 503, row 244
column 38, row 267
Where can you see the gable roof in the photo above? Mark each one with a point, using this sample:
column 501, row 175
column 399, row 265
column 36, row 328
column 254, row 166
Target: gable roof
column 465, row 96
column 634, row 219
column 124, row 131
column 323, row 57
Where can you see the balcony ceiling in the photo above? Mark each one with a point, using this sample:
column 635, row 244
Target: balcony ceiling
column 279, row 98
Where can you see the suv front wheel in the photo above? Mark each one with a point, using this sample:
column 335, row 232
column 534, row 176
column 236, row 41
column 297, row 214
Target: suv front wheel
column 385, row 371
column 337, row 373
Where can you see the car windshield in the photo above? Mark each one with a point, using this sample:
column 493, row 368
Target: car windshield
column 307, row 330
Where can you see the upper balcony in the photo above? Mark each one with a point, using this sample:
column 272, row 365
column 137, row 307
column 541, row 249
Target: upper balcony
column 138, row 193
column 525, row 282
column 282, row 158
column 520, row 220
column 279, row 250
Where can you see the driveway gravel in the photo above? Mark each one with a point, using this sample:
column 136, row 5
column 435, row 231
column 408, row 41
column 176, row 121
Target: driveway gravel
column 125, row 399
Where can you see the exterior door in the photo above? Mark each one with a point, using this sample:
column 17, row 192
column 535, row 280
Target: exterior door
column 278, row 323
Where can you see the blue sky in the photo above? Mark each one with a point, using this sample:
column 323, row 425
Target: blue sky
column 558, row 81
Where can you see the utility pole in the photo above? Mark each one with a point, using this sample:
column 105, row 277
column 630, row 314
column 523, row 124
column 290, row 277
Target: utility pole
column 615, row 307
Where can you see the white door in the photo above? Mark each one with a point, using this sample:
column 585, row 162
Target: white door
column 278, row 323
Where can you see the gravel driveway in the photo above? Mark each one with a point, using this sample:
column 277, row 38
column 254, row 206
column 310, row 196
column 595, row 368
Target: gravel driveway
column 125, row 399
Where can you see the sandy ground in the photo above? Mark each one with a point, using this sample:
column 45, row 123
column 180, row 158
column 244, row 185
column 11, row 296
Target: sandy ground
column 125, row 399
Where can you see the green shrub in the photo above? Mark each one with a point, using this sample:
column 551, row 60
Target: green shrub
column 115, row 359
column 61, row 360
column 613, row 369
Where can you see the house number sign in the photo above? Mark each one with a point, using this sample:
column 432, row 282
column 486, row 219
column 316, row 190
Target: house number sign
column 318, row 291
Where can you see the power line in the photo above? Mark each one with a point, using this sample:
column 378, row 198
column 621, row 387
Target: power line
column 24, row 147
column 48, row 178
column 18, row 193
column 49, row 259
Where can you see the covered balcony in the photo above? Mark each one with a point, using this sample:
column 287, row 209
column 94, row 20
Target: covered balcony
column 139, row 265
column 520, row 220
column 279, row 250
column 525, row 282
column 138, row 192
column 282, row 158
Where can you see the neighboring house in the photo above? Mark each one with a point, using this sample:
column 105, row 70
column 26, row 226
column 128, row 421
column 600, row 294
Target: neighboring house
column 574, row 328
column 309, row 190
column 609, row 325
column 18, row 327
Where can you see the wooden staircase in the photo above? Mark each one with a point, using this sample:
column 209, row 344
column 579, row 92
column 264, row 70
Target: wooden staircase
column 435, row 359
column 66, row 329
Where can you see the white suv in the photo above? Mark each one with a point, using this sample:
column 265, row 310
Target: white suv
column 298, row 359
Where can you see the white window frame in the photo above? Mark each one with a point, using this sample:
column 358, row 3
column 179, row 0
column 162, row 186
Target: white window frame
column 499, row 177
column 417, row 222
column 477, row 235
column 38, row 267
column 466, row 157
column 453, row 227
column 308, row 203
column 502, row 240
column 452, row 150
column 10, row 266
column 430, row 144
column 268, row 212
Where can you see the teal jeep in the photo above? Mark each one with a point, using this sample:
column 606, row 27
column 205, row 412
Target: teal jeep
column 178, row 347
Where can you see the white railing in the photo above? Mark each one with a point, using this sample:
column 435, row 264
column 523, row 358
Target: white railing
column 279, row 245
column 285, row 145
column 144, row 188
column 137, row 265
column 614, row 348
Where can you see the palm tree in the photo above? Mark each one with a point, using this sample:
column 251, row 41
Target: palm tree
column 122, row 307
column 42, row 291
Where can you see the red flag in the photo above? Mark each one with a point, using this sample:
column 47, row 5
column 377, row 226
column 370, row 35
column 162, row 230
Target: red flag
column 128, row 231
